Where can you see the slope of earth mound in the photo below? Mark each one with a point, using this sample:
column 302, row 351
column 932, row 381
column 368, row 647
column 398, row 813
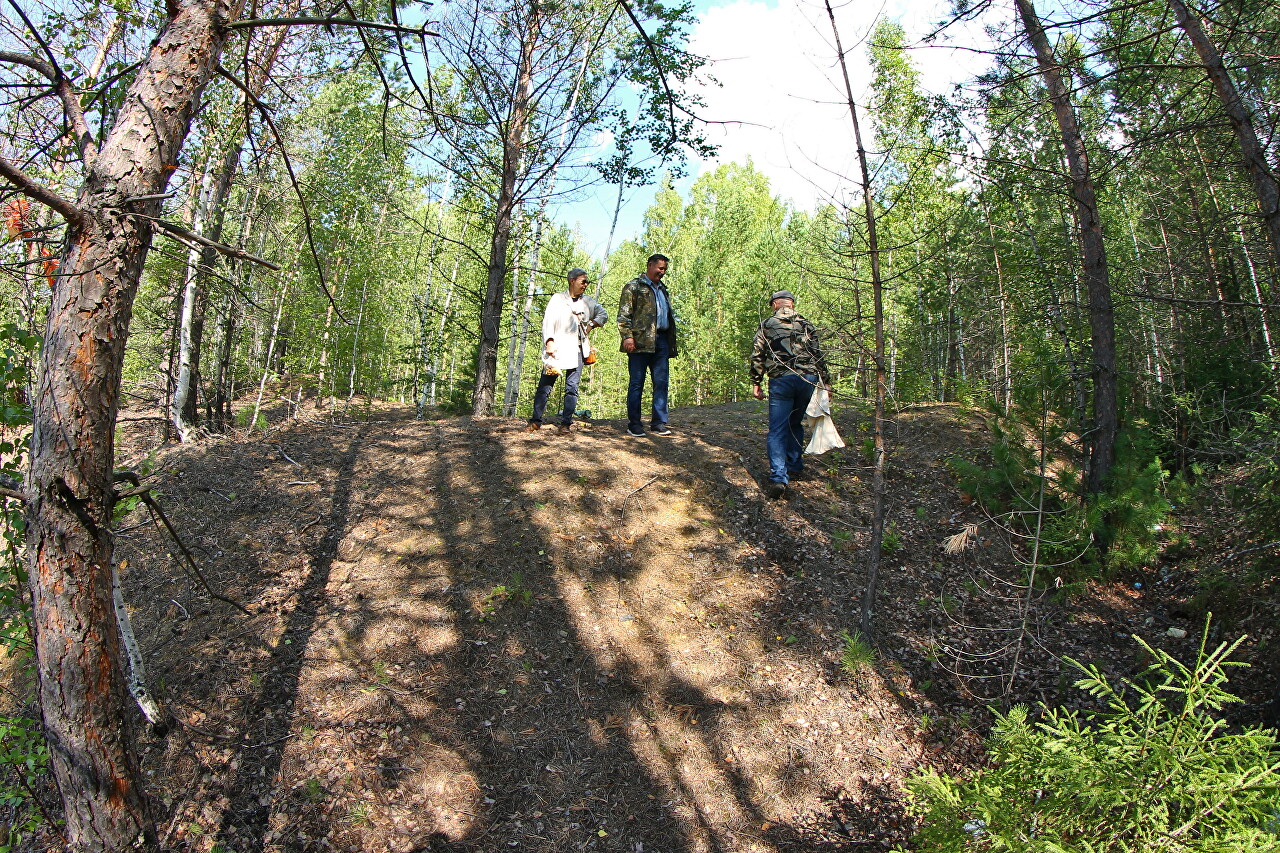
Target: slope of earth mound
column 468, row 637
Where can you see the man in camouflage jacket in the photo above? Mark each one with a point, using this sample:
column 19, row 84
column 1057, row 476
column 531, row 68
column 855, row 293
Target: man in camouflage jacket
column 786, row 350
column 648, row 328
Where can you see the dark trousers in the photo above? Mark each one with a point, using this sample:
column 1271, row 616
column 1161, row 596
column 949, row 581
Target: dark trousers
column 655, row 363
column 546, row 383
column 788, row 398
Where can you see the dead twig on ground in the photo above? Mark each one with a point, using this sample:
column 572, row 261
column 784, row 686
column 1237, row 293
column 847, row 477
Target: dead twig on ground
column 158, row 516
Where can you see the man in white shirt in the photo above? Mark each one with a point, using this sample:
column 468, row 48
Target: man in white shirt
column 568, row 320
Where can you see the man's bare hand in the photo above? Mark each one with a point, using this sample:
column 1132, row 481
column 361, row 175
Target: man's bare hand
column 757, row 392
column 629, row 345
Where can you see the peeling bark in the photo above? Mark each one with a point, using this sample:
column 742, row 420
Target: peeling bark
column 77, row 644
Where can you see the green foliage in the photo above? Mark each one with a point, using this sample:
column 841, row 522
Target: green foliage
column 856, row 653
column 891, row 541
column 23, row 757
column 1261, row 495
column 242, row 419
column 1157, row 770
column 23, row 752
column 513, row 590
column 1127, row 518
column 17, row 349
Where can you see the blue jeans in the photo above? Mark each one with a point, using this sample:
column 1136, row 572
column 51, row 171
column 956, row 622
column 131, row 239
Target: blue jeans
column 546, row 383
column 656, row 363
column 788, row 398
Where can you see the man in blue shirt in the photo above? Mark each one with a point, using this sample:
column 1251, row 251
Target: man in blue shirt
column 648, row 328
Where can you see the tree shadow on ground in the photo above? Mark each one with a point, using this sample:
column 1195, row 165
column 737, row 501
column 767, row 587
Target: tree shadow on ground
column 537, row 642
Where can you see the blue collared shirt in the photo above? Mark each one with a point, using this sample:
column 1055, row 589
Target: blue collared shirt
column 664, row 307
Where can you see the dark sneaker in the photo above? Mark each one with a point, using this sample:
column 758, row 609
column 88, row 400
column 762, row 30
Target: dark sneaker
column 533, row 427
column 776, row 490
column 660, row 430
column 635, row 432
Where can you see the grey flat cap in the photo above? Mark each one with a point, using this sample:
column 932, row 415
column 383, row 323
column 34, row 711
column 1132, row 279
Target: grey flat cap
column 783, row 294
column 574, row 273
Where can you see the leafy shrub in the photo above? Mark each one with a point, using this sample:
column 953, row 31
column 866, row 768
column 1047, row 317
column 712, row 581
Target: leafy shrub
column 23, row 752
column 24, row 756
column 242, row 417
column 1262, row 493
column 1156, row 771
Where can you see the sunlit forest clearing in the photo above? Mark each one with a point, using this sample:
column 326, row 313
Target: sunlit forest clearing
column 283, row 569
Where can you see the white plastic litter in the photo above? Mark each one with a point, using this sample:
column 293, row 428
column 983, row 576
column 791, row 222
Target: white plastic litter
column 818, row 421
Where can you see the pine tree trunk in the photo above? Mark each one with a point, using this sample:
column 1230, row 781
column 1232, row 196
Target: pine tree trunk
column 873, row 248
column 1265, row 185
column 70, row 497
column 1106, row 419
column 482, row 398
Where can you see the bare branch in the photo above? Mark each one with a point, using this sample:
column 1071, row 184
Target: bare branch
column 179, row 231
column 30, row 188
column 66, row 93
column 265, row 112
column 340, row 22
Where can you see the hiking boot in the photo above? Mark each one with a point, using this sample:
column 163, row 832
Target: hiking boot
column 635, row 432
column 775, row 490
column 533, row 427
column 661, row 429
column 564, row 429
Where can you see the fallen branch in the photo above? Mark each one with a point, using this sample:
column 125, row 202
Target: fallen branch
column 1244, row 551
column 637, row 491
column 158, row 516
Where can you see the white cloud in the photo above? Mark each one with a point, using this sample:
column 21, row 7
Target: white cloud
column 784, row 99
column 780, row 79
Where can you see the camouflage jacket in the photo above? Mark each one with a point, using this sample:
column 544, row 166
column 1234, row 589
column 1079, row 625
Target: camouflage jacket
column 638, row 315
column 787, row 343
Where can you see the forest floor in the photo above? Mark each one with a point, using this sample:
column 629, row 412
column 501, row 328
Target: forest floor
column 467, row 637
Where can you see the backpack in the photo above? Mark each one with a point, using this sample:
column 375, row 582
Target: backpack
column 785, row 349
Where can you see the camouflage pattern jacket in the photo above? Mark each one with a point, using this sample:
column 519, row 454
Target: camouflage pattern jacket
column 638, row 316
column 787, row 343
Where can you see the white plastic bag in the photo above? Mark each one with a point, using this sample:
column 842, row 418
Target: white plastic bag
column 817, row 419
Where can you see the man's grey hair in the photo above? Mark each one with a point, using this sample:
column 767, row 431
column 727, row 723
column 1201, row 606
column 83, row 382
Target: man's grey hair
column 574, row 273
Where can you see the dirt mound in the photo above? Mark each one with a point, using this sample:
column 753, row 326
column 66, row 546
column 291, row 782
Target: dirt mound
column 469, row 637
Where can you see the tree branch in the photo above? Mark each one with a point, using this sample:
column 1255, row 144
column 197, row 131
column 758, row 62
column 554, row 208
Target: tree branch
column 11, row 488
column 179, row 231
column 158, row 517
column 66, row 93
column 28, row 187
column 341, row 22
column 657, row 66
column 265, row 112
